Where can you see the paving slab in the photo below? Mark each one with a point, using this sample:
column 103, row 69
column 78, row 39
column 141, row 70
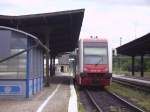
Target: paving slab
column 57, row 103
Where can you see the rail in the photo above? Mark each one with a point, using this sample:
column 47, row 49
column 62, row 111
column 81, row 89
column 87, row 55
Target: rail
column 137, row 109
column 111, row 97
column 137, row 85
column 93, row 101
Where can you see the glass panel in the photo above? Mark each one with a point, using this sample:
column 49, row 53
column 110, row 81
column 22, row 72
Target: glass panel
column 18, row 41
column 95, row 51
column 36, row 60
column 4, row 43
column 89, row 59
column 15, row 68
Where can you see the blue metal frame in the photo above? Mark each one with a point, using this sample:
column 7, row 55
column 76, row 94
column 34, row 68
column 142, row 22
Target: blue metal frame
column 33, row 86
column 36, row 80
column 27, row 71
column 40, row 83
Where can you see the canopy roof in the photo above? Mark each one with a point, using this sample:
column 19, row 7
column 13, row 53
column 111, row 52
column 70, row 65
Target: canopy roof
column 62, row 28
column 140, row 46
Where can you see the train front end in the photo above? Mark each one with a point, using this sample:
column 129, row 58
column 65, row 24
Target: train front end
column 94, row 60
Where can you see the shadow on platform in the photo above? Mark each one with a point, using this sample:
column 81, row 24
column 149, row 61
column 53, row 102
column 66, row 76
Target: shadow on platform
column 62, row 78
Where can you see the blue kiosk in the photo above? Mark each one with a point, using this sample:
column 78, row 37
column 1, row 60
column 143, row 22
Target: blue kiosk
column 21, row 63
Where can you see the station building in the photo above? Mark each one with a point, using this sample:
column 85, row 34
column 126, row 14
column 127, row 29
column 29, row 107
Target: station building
column 64, row 63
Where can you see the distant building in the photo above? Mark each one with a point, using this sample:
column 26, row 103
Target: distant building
column 63, row 63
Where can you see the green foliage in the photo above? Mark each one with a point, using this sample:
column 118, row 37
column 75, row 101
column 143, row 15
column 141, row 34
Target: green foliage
column 147, row 65
column 123, row 63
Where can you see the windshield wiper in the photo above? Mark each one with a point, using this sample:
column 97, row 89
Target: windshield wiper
column 100, row 60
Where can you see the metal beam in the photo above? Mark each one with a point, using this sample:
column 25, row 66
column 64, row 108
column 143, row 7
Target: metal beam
column 142, row 64
column 133, row 60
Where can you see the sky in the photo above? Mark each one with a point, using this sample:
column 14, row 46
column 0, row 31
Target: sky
column 111, row 19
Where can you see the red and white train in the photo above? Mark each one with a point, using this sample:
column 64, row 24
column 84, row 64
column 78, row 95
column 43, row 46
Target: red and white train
column 93, row 63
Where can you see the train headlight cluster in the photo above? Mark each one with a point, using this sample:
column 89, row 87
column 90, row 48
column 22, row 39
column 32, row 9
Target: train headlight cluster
column 83, row 74
column 106, row 69
column 85, row 69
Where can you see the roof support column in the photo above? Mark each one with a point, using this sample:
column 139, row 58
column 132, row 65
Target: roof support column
column 119, row 63
column 51, row 65
column 133, row 60
column 142, row 64
column 47, row 61
column 54, row 65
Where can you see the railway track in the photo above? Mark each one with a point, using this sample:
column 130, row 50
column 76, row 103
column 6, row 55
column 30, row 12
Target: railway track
column 135, row 85
column 105, row 101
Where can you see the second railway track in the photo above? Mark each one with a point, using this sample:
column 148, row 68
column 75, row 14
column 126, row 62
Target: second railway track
column 105, row 101
column 136, row 85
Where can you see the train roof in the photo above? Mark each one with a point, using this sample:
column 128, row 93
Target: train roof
column 96, row 39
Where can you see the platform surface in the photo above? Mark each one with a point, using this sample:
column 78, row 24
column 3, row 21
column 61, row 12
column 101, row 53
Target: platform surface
column 134, row 79
column 54, row 98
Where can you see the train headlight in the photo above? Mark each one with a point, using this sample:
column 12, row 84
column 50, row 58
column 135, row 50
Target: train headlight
column 85, row 69
column 106, row 69
column 82, row 74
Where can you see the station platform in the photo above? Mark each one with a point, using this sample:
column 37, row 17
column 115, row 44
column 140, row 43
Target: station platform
column 133, row 79
column 56, row 98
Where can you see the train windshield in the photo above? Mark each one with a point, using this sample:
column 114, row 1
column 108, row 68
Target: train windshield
column 95, row 51
column 95, row 60
column 95, row 55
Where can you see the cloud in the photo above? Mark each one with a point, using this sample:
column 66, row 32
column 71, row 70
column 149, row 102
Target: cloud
column 17, row 7
column 117, row 21
column 21, row 7
column 22, row 2
column 122, row 2
column 111, row 19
